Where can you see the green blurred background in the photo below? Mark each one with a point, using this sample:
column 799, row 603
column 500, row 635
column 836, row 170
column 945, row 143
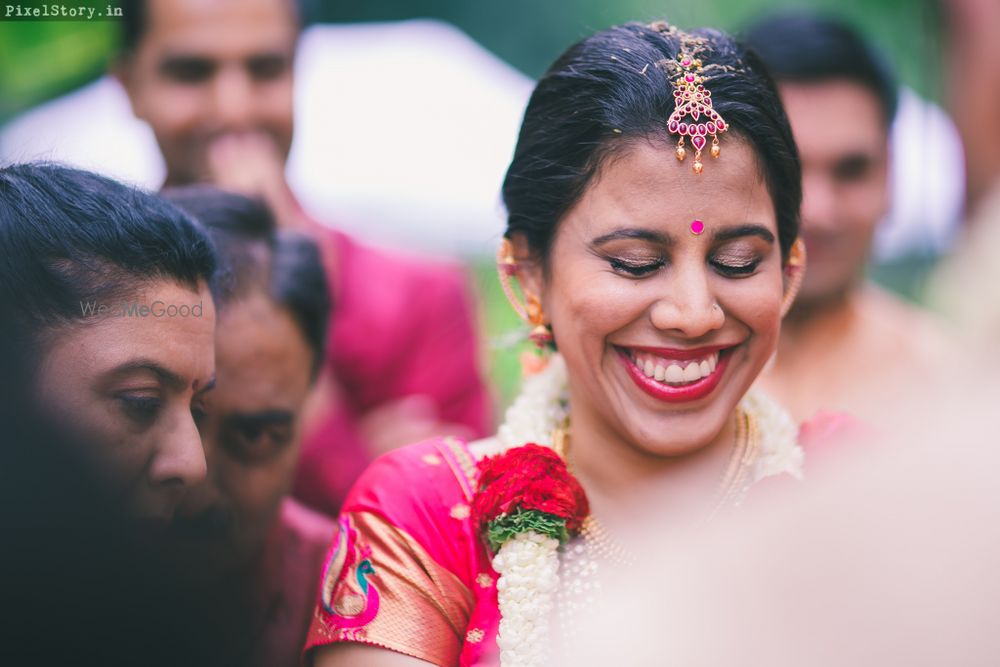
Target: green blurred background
column 41, row 60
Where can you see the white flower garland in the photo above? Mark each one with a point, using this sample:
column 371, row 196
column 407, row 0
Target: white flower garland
column 528, row 564
column 529, row 575
column 540, row 408
column 779, row 447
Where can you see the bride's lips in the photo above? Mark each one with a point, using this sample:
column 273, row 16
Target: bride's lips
column 676, row 393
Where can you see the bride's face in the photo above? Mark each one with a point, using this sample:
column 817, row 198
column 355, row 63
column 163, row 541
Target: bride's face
column 664, row 330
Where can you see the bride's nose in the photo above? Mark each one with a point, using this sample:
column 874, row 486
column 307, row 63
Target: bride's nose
column 686, row 304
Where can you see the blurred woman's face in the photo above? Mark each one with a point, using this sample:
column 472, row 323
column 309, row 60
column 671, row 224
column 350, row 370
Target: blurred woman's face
column 132, row 377
column 663, row 329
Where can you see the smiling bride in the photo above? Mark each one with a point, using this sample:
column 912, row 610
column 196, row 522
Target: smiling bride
column 652, row 246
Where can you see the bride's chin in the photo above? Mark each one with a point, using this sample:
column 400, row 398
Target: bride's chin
column 681, row 444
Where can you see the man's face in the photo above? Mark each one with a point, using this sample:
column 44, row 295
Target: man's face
column 843, row 142
column 251, row 431
column 205, row 70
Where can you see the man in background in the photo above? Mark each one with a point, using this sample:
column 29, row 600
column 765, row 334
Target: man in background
column 214, row 80
column 966, row 286
column 254, row 552
column 846, row 344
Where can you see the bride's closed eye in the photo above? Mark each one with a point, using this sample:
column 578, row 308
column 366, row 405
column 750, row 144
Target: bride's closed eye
column 735, row 262
column 634, row 267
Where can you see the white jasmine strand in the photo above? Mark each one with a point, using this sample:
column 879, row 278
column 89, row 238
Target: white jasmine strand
column 779, row 448
column 539, row 409
column 528, row 565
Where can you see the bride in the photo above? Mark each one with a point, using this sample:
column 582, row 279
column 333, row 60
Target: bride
column 653, row 206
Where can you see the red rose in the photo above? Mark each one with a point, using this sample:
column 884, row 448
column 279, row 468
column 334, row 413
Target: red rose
column 530, row 478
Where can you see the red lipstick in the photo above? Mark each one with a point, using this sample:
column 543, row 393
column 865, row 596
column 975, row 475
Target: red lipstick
column 676, row 394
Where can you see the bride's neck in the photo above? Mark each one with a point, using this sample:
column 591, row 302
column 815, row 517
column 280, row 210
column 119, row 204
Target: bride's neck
column 623, row 481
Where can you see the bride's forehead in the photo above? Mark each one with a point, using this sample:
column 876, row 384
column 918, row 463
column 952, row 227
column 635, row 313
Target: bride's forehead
column 647, row 183
column 654, row 165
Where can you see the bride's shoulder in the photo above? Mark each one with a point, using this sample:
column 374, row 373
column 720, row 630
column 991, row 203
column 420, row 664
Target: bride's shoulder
column 437, row 468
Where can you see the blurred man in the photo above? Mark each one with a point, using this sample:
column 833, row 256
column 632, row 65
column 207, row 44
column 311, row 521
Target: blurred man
column 846, row 344
column 257, row 552
column 213, row 78
column 967, row 285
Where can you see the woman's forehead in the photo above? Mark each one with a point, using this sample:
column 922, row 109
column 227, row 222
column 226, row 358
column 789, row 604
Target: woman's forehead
column 645, row 183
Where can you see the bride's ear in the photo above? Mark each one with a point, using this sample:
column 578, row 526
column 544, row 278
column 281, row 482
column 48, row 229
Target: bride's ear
column 519, row 266
column 793, row 272
column 529, row 266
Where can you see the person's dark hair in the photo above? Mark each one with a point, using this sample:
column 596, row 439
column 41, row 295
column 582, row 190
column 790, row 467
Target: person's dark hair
column 256, row 256
column 66, row 236
column 808, row 48
column 135, row 21
column 606, row 92
column 70, row 237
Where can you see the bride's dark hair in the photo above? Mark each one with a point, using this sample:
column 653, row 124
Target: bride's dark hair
column 607, row 91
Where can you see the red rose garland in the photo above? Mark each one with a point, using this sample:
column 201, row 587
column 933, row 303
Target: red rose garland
column 528, row 488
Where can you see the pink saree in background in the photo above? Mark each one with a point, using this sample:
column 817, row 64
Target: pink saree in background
column 408, row 572
column 400, row 327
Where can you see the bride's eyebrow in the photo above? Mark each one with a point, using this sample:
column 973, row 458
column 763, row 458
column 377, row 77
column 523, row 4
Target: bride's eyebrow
column 748, row 229
column 634, row 233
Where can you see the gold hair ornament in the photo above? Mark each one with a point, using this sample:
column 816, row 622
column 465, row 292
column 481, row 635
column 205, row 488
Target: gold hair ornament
column 693, row 115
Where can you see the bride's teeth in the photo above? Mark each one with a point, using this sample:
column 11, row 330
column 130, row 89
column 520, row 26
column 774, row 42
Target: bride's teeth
column 674, row 373
column 662, row 370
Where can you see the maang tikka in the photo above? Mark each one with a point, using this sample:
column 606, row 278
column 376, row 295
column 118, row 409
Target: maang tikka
column 693, row 115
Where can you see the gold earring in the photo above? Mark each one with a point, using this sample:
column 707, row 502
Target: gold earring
column 540, row 334
column 531, row 310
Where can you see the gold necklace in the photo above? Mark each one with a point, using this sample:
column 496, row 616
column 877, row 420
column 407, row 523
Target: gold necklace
column 733, row 485
column 737, row 479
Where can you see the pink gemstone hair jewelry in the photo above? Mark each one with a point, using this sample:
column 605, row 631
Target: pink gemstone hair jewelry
column 697, row 227
column 693, row 114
